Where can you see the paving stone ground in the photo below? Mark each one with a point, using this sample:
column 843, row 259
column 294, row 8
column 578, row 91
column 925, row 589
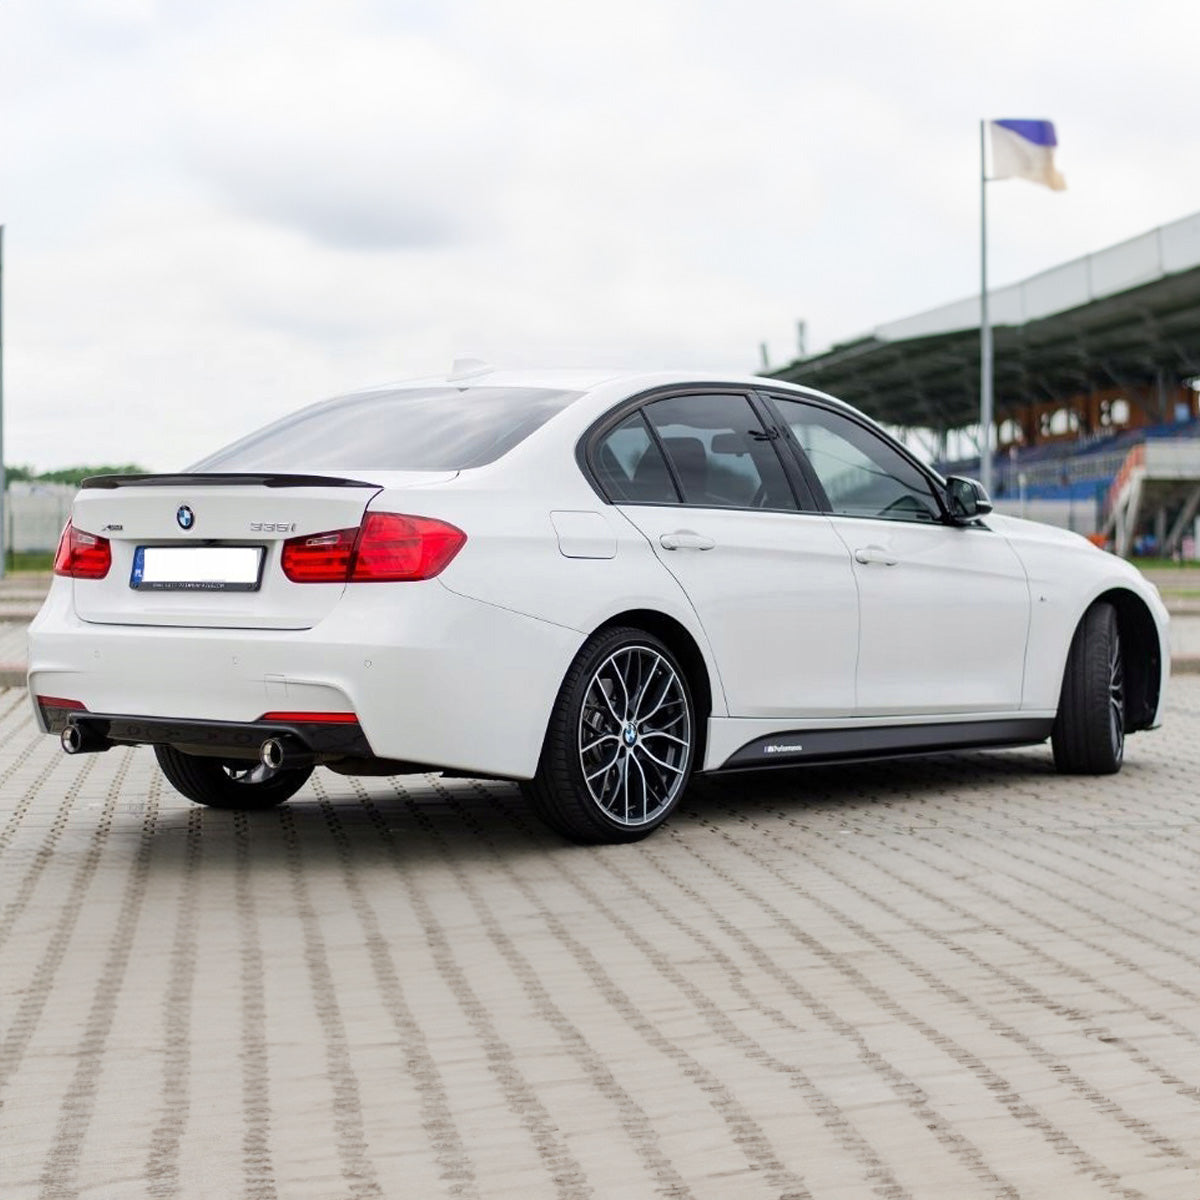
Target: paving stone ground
column 951, row 978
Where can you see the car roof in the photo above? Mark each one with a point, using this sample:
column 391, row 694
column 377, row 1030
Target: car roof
column 567, row 379
column 589, row 379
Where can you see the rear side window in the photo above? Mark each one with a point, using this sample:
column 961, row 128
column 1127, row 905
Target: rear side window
column 630, row 466
column 721, row 454
column 406, row 429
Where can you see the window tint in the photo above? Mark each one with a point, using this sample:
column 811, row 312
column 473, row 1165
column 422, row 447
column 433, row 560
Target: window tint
column 631, row 468
column 720, row 452
column 407, row 429
column 862, row 475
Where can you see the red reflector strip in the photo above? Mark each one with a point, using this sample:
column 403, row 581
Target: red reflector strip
column 312, row 718
column 60, row 702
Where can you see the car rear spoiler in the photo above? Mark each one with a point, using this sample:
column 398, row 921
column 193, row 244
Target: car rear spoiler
column 207, row 479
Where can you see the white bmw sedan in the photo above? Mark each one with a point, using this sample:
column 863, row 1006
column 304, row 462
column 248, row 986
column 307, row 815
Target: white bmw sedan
column 597, row 586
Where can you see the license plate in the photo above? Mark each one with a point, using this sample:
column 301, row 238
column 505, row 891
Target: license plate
column 197, row 568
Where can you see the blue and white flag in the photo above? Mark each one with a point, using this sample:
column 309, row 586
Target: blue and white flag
column 1025, row 150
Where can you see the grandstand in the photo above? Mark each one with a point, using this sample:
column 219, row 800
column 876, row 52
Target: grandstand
column 1096, row 366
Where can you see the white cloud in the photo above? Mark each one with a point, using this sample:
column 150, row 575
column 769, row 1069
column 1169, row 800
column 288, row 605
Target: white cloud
column 218, row 212
column 364, row 142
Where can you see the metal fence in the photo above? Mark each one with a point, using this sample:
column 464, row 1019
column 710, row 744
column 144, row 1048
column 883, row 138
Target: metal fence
column 35, row 514
column 1059, row 472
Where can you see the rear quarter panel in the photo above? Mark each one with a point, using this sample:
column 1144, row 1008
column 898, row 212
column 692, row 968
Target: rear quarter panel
column 513, row 560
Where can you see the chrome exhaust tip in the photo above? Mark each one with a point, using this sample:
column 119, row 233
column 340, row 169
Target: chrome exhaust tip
column 82, row 739
column 271, row 754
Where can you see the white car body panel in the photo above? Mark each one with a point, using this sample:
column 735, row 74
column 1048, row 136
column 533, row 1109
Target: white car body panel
column 1066, row 575
column 944, row 616
column 516, row 560
column 462, row 671
column 415, row 684
column 133, row 516
column 776, row 596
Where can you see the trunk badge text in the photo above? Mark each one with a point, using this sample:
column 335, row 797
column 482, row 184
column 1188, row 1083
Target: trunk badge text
column 272, row 526
column 185, row 517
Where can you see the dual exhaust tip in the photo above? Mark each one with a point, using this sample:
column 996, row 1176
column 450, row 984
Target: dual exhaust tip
column 276, row 753
column 281, row 753
column 79, row 739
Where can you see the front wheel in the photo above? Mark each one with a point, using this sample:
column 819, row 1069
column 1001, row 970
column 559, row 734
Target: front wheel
column 1089, row 731
column 621, row 741
column 222, row 783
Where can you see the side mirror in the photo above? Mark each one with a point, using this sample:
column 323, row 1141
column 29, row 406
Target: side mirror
column 966, row 499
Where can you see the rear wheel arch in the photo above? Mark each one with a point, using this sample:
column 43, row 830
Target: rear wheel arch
column 601, row 731
column 684, row 646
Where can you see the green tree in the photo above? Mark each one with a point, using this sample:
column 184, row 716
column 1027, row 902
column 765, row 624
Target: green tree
column 72, row 475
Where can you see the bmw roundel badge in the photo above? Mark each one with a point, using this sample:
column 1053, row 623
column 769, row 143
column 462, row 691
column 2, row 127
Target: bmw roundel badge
column 185, row 517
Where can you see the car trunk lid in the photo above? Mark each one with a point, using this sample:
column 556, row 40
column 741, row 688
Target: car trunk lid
column 204, row 550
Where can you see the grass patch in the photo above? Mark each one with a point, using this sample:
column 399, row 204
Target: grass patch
column 1166, row 564
column 29, row 560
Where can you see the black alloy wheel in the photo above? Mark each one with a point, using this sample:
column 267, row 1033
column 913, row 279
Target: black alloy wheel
column 621, row 742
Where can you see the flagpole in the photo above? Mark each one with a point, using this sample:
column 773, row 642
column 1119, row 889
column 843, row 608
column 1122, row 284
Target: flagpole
column 985, row 328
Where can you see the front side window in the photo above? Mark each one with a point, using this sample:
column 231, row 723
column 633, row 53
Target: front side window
column 862, row 475
column 721, row 455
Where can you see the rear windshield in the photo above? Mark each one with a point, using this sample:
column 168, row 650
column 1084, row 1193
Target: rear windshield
column 410, row 429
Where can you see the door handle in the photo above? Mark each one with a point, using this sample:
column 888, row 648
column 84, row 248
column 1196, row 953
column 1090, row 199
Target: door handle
column 685, row 539
column 874, row 554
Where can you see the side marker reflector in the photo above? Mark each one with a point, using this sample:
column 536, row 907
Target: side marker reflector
column 312, row 718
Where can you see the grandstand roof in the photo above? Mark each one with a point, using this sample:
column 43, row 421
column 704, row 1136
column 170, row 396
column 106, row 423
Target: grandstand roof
column 1128, row 316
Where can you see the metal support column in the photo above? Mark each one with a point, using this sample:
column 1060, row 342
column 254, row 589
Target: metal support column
column 986, row 405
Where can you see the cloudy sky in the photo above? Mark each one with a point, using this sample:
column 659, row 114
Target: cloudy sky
column 218, row 210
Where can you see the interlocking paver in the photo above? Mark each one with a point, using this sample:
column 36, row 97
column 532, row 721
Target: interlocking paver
column 957, row 977
column 13, row 637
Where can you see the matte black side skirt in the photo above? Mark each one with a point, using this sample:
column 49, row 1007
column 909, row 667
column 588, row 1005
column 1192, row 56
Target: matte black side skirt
column 884, row 741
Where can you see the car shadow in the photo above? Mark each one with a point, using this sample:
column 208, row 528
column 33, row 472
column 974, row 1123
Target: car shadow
column 878, row 779
column 420, row 821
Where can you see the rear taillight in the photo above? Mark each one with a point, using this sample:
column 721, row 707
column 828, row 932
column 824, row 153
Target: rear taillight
column 385, row 548
column 321, row 558
column 394, row 547
column 82, row 555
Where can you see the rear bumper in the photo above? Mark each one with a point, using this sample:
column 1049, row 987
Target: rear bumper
column 232, row 739
column 434, row 678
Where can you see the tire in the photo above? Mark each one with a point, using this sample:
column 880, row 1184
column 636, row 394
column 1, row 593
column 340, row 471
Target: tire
column 232, row 784
column 620, row 743
column 1089, row 731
